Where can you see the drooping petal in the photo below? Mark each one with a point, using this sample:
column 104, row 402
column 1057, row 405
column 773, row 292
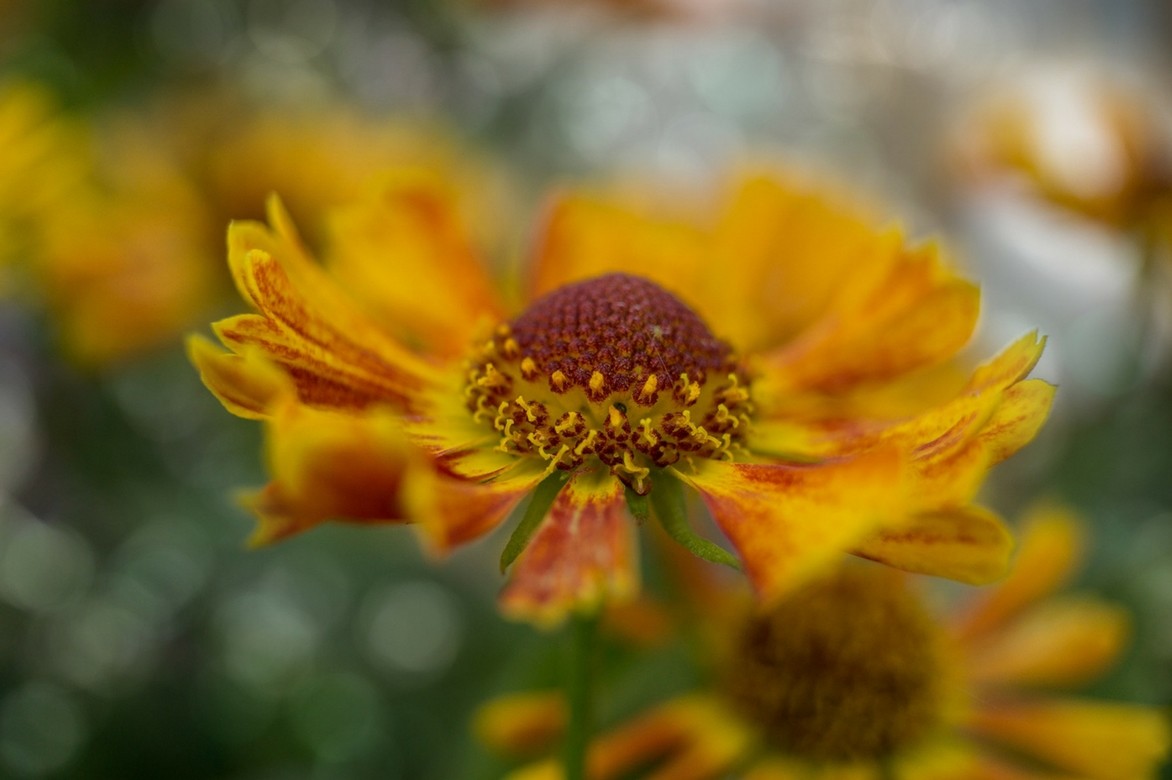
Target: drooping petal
column 1057, row 643
column 451, row 509
column 917, row 314
column 1052, row 542
column 309, row 321
column 969, row 544
column 787, row 522
column 1089, row 739
column 522, row 724
column 582, row 554
column 247, row 384
column 329, row 466
column 408, row 255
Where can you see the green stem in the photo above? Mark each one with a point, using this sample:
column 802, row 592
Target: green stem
column 583, row 629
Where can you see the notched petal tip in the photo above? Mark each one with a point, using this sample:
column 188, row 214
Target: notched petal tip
column 247, row 384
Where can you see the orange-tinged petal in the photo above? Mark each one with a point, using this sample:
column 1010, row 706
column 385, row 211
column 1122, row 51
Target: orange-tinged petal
column 787, row 522
column 320, row 377
column 408, row 256
column 582, row 554
column 1018, row 418
column 247, row 384
column 1052, row 542
column 781, row 252
column 451, row 509
column 313, row 316
column 1061, row 642
column 916, row 315
column 1089, row 739
column 944, row 758
column 584, row 237
column 328, row 466
column 969, row 544
column 522, row 723
column 1011, row 365
column 695, row 737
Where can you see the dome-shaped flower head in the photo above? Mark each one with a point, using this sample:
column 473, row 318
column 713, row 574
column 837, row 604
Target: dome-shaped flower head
column 772, row 361
column 854, row 677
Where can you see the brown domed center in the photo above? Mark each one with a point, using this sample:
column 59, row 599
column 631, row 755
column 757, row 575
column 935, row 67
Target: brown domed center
column 622, row 327
column 849, row 668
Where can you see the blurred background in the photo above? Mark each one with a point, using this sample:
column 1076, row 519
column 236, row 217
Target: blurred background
column 138, row 637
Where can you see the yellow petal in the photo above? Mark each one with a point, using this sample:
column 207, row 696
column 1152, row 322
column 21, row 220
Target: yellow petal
column 1018, row 418
column 581, row 555
column 328, row 466
column 916, row 315
column 1090, row 739
column 407, row 255
column 314, row 318
column 1011, row 365
column 762, row 279
column 969, row 544
column 584, row 237
column 247, row 385
column 521, row 723
column 321, row 378
column 1052, row 542
column 1059, row 642
column 690, row 738
column 788, row 522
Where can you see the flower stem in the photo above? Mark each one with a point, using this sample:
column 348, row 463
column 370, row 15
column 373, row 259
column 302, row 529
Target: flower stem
column 583, row 628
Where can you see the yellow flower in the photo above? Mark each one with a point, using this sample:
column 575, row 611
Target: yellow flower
column 755, row 361
column 852, row 678
column 43, row 159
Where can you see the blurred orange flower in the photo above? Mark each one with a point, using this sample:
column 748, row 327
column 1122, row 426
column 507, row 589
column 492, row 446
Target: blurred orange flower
column 1073, row 137
column 610, row 392
column 851, row 677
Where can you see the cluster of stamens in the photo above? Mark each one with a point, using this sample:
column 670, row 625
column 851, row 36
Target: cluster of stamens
column 614, row 368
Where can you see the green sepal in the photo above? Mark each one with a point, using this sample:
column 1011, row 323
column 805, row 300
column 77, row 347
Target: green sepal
column 667, row 498
column 540, row 501
column 638, row 506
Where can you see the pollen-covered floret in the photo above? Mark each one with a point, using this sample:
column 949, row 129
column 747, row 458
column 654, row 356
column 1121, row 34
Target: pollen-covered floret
column 615, row 368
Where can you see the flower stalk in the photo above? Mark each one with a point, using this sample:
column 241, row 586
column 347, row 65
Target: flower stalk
column 579, row 689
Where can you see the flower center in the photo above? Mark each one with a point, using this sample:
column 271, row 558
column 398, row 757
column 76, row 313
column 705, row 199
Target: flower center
column 614, row 368
column 850, row 668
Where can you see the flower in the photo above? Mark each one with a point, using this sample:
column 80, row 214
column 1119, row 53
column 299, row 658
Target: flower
column 777, row 363
column 1071, row 135
column 43, row 159
column 852, row 677
column 123, row 250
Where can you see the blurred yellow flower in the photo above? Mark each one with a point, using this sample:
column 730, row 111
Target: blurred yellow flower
column 852, row 678
column 44, row 158
column 124, row 213
column 612, row 390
